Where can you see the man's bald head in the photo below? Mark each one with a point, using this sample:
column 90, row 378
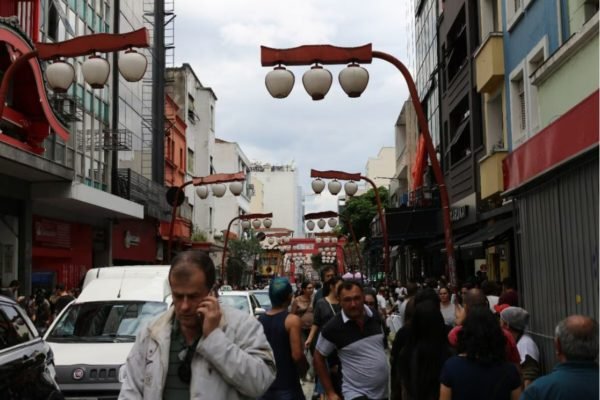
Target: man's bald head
column 475, row 298
column 577, row 338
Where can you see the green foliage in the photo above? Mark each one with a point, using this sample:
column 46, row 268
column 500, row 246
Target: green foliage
column 360, row 211
column 199, row 235
column 240, row 254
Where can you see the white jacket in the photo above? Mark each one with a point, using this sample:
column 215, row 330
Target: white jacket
column 235, row 361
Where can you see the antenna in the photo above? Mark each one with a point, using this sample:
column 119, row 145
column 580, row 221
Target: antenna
column 121, row 284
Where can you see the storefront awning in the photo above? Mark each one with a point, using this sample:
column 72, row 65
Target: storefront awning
column 484, row 235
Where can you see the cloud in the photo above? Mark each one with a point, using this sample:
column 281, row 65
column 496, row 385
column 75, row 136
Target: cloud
column 221, row 40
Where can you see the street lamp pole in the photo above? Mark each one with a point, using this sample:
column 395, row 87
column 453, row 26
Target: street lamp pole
column 357, row 177
column 175, row 197
column 78, row 46
column 244, row 217
column 333, row 214
column 327, row 54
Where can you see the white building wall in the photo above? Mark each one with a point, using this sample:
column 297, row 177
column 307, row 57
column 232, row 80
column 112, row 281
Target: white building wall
column 281, row 195
column 229, row 158
column 382, row 167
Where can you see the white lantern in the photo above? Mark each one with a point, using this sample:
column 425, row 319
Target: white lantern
column 321, row 223
column 334, row 240
column 332, row 222
column 256, row 223
column 279, row 82
column 267, row 223
column 326, row 239
column 310, row 225
column 60, row 75
column 132, row 65
column 95, row 71
column 245, row 224
column 318, row 185
column 317, row 82
column 202, row 192
column 271, row 240
column 236, row 188
column 350, row 188
column 286, row 239
column 334, row 187
column 219, row 189
column 318, row 239
column 353, row 80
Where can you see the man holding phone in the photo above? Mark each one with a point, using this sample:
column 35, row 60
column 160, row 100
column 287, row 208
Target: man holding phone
column 198, row 349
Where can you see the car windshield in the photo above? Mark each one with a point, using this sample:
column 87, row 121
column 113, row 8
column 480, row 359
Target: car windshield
column 104, row 321
column 263, row 299
column 240, row 302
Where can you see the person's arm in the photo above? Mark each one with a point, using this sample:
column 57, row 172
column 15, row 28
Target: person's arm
column 515, row 394
column 294, row 309
column 530, row 369
column 311, row 336
column 319, row 362
column 445, row 392
column 293, row 325
column 244, row 358
column 133, row 386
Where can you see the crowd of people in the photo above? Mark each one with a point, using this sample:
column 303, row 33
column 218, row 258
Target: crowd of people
column 41, row 307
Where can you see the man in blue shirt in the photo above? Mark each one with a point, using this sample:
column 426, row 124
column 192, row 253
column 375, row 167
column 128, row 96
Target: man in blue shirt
column 576, row 374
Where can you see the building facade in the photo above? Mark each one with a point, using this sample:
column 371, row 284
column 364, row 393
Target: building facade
column 281, row 195
column 551, row 174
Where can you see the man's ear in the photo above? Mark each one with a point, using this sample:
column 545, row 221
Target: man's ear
column 557, row 346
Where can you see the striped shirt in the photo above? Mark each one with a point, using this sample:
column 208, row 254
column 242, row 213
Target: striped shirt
column 365, row 368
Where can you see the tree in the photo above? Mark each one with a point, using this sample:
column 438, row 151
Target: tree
column 360, row 211
column 242, row 252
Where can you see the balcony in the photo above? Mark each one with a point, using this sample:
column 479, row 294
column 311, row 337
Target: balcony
column 490, row 171
column 489, row 63
column 135, row 187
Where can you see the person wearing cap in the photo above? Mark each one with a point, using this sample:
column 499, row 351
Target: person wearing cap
column 576, row 374
column 516, row 319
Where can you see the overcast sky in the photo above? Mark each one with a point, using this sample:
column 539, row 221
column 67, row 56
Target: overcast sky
column 221, row 40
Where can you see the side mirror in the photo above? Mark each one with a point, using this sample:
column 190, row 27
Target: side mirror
column 259, row 311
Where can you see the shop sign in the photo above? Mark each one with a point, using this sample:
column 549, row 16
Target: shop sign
column 458, row 213
column 51, row 233
column 131, row 239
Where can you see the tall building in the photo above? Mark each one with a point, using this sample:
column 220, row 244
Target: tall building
column 281, row 195
column 550, row 80
column 197, row 107
column 380, row 169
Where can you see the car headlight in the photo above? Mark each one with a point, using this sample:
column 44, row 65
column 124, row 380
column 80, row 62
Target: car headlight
column 122, row 373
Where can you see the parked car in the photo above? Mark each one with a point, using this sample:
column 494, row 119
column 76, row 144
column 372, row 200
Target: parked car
column 26, row 361
column 93, row 335
column 263, row 298
column 242, row 300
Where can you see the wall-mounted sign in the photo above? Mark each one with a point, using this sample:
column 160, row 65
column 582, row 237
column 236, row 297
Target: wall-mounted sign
column 131, row 239
column 458, row 213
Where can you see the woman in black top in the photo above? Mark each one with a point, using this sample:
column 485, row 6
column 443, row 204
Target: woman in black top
column 480, row 370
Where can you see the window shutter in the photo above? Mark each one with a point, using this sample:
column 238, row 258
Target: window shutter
column 522, row 105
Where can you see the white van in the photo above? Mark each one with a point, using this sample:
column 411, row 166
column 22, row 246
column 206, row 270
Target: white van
column 93, row 335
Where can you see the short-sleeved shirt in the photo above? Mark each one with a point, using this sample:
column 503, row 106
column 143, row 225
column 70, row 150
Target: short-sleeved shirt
column 568, row 380
column 364, row 366
column 471, row 380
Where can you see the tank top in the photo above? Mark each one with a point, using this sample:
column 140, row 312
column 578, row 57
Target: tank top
column 279, row 339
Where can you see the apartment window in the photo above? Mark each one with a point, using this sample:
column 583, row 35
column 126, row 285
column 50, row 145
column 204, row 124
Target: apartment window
column 212, row 169
column 181, row 159
column 514, row 10
column 190, row 161
column 210, row 219
column 212, row 117
column 495, row 122
column 518, row 105
column 534, row 59
column 456, row 53
column 489, row 18
column 53, row 22
column 192, row 117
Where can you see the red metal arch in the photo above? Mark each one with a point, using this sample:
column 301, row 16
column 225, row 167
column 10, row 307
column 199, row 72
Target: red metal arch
column 34, row 121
